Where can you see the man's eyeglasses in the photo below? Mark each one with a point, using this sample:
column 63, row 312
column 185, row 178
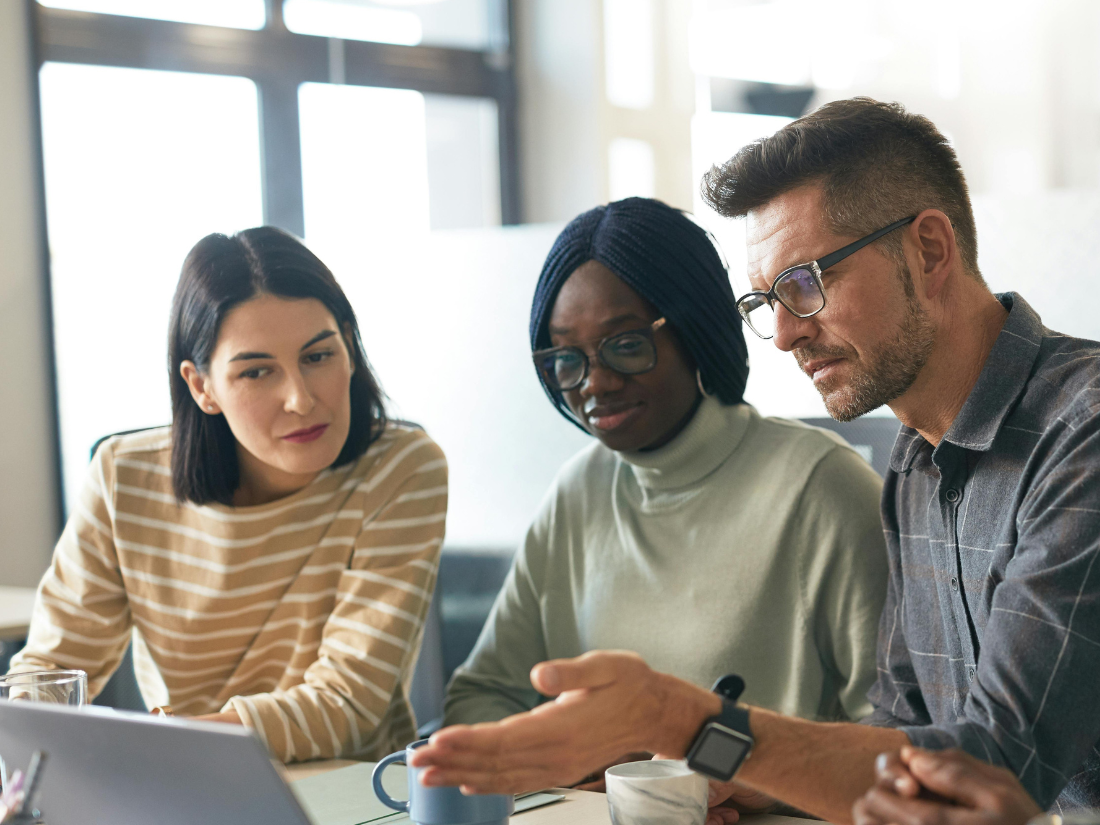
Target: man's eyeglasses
column 799, row 288
column 628, row 353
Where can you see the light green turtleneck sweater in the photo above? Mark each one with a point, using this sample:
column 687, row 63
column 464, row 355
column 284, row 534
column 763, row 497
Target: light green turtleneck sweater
column 746, row 545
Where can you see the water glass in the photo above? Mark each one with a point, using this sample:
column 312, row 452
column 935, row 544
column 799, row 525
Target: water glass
column 59, row 687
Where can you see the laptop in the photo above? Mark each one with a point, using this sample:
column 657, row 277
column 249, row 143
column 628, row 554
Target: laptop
column 116, row 768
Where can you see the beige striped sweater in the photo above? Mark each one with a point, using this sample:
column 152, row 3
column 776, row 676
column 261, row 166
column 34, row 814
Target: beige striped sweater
column 304, row 615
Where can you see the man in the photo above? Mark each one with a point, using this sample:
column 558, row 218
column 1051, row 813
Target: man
column 990, row 637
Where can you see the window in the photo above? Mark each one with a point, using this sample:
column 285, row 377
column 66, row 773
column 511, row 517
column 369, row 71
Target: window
column 461, row 24
column 147, row 110
column 629, row 52
column 238, row 14
column 631, row 169
column 130, row 160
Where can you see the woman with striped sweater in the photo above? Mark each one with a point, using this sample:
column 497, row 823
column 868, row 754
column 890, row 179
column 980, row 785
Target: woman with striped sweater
column 271, row 554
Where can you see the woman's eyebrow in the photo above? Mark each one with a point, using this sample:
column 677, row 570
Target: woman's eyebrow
column 320, row 336
column 610, row 322
column 250, row 356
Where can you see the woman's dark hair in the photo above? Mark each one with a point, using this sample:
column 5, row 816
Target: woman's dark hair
column 669, row 260
column 220, row 273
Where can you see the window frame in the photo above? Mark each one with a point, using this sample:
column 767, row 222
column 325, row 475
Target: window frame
column 278, row 61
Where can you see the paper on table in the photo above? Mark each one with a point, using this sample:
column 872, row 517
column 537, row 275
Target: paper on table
column 345, row 797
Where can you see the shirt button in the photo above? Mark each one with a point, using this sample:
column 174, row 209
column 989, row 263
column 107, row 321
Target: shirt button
column 952, row 495
column 954, row 583
column 970, row 673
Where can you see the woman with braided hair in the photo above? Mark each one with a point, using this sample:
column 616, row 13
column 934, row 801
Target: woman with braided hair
column 694, row 531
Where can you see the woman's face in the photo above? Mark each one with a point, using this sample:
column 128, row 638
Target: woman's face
column 280, row 373
column 625, row 412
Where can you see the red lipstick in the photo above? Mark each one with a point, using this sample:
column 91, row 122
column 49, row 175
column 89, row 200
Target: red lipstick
column 307, row 435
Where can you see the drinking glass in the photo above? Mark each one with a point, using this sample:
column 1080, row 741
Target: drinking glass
column 59, row 687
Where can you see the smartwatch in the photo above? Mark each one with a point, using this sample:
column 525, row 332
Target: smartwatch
column 725, row 740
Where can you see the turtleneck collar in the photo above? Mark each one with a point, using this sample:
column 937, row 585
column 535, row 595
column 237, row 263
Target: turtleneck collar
column 708, row 440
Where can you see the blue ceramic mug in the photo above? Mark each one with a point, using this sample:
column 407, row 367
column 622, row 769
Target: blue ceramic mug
column 441, row 806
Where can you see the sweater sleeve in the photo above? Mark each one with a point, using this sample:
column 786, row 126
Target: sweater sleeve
column 355, row 690
column 81, row 618
column 495, row 681
column 844, row 570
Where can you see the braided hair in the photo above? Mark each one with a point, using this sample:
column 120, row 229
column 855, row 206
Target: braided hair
column 668, row 259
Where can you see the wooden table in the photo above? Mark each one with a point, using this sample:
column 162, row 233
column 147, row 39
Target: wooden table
column 16, row 604
column 578, row 807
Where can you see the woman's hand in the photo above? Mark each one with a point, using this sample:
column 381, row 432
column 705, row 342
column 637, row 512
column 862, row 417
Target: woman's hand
column 228, row 717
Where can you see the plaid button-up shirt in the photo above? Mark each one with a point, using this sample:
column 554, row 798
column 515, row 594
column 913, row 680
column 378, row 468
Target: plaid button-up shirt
column 990, row 637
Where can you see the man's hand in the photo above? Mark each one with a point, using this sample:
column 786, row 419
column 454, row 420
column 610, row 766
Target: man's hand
column 919, row 787
column 608, row 703
column 728, row 800
column 596, row 782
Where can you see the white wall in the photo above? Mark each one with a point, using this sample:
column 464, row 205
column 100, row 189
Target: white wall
column 27, row 487
column 444, row 320
column 566, row 121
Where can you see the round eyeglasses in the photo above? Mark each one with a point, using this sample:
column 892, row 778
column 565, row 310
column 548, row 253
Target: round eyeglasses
column 799, row 289
column 628, row 353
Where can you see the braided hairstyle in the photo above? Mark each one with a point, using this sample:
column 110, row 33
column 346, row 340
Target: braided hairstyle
column 668, row 259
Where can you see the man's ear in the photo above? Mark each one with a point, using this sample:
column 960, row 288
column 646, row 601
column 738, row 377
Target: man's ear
column 934, row 253
column 199, row 385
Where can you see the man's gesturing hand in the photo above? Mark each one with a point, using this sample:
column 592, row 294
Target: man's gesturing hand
column 608, row 703
column 919, row 787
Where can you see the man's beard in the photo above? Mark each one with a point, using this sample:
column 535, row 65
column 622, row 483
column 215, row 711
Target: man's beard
column 889, row 370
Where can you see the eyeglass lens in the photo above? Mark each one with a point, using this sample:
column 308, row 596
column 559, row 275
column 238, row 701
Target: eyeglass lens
column 797, row 290
column 630, row 354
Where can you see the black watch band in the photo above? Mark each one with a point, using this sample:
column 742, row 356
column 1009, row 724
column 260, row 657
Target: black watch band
column 725, row 741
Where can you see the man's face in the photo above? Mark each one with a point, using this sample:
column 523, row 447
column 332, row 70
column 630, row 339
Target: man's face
column 869, row 343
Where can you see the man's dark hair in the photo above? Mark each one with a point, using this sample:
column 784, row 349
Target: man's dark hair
column 875, row 162
column 221, row 273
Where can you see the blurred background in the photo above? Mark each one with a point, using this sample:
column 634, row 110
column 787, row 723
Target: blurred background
column 429, row 151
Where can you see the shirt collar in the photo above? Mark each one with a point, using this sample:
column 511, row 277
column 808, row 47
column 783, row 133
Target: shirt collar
column 698, row 450
column 999, row 385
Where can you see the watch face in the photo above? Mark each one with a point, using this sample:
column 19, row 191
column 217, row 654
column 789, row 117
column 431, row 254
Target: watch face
column 719, row 753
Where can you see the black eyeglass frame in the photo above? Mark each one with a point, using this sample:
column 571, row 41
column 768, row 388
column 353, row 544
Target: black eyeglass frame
column 646, row 332
column 816, row 269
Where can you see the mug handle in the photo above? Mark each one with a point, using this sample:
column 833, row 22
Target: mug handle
column 376, row 780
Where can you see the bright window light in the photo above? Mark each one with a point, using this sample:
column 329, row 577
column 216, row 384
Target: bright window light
column 236, row 14
column 364, row 163
column 776, row 384
column 350, row 21
column 460, row 24
column 629, row 52
column 139, row 166
column 631, row 169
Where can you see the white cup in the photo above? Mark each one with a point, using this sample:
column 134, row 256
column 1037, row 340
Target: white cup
column 658, row 790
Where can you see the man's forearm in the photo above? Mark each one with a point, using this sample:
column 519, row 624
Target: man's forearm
column 818, row 767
